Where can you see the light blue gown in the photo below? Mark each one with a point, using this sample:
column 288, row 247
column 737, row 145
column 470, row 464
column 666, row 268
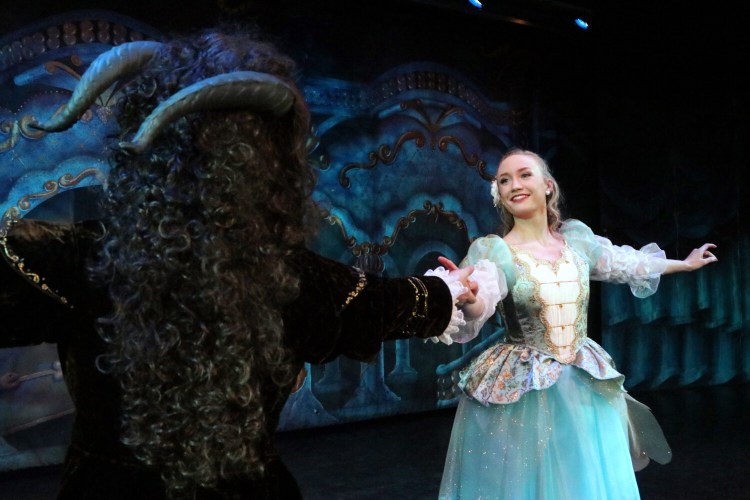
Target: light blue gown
column 543, row 414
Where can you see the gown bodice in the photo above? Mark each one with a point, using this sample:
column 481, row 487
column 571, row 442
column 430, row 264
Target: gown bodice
column 551, row 299
column 545, row 310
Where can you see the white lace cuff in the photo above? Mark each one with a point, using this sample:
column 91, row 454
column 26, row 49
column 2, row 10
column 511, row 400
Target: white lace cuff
column 492, row 288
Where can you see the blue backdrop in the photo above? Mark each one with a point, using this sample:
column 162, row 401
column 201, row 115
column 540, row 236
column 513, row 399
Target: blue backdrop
column 409, row 128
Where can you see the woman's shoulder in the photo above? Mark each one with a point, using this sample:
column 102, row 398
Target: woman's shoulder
column 493, row 248
column 490, row 243
column 581, row 239
column 574, row 227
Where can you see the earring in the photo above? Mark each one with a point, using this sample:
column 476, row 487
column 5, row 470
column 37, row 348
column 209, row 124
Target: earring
column 549, row 193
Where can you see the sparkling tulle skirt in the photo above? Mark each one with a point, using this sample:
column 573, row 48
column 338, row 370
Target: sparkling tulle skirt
column 568, row 442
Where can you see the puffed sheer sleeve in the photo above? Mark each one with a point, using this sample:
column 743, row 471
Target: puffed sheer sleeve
column 639, row 269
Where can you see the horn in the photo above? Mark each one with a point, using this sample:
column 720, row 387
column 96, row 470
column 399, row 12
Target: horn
column 107, row 68
column 239, row 89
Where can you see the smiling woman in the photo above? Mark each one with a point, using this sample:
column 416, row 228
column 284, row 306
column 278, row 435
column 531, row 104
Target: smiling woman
column 532, row 169
column 543, row 413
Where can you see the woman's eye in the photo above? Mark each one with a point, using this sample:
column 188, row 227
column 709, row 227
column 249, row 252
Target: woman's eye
column 502, row 181
column 526, row 174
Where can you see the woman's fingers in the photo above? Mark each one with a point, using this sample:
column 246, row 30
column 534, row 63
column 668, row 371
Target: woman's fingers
column 447, row 263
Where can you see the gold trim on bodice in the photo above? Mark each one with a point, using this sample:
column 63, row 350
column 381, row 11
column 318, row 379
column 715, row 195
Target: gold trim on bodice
column 558, row 288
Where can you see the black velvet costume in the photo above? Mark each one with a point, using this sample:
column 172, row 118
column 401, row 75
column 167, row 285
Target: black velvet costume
column 319, row 325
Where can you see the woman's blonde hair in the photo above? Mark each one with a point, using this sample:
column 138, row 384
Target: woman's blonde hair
column 554, row 199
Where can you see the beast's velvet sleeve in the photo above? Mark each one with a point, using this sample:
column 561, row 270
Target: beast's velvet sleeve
column 343, row 311
column 40, row 271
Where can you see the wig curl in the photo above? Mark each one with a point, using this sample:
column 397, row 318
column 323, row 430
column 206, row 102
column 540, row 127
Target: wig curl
column 198, row 229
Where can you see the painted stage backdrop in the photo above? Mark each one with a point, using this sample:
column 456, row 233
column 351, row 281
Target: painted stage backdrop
column 404, row 162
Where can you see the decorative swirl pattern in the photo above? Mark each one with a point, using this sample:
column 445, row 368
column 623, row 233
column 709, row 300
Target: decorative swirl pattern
column 430, row 209
column 13, row 129
column 52, row 187
column 386, row 154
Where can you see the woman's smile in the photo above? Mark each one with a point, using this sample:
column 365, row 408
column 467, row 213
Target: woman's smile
column 517, row 198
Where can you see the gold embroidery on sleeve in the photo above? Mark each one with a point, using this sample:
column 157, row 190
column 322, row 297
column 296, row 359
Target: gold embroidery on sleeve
column 18, row 264
column 361, row 284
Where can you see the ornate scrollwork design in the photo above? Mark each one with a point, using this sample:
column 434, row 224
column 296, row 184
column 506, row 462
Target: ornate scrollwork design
column 53, row 67
column 333, row 220
column 432, row 126
column 22, row 127
column 372, row 248
column 52, row 187
column 13, row 214
column 471, row 160
column 386, row 154
column 26, row 130
column 369, row 248
column 104, row 100
column 429, row 209
column 350, row 241
column 13, row 129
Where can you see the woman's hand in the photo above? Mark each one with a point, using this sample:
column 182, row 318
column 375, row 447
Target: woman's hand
column 468, row 301
column 700, row 257
column 470, row 296
column 447, row 263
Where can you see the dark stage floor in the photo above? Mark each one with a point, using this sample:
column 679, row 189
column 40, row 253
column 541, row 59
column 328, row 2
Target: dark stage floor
column 402, row 457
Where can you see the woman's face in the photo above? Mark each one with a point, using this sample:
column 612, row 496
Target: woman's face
column 522, row 186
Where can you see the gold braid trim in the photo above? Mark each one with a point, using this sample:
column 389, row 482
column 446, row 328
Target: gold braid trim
column 361, row 284
column 425, row 296
column 420, row 296
column 17, row 263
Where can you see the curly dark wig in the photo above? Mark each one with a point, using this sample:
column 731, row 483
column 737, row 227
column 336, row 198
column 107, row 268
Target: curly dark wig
column 198, row 228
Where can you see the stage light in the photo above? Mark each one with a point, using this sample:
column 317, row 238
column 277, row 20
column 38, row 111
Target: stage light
column 582, row 24
column 476, row 3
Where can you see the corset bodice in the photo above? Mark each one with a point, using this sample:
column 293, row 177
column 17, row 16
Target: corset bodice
column 550, row 302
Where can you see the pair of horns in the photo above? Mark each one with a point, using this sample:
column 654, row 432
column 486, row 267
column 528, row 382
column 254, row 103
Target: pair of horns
column 248, row 89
